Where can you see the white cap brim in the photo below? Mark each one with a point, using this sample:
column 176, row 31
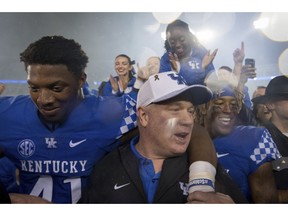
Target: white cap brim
column 167, row 85
column 197, row 94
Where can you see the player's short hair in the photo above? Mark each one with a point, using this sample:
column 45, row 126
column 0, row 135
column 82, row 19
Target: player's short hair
column 56, row 50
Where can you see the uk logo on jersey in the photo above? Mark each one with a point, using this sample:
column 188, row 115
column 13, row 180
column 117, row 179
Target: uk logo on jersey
column 184, row 187
column 26, row 148
column 194, row 64
column 51, row 143
column 180, row 80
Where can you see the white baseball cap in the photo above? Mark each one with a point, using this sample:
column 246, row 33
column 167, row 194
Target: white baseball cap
column 163, row 86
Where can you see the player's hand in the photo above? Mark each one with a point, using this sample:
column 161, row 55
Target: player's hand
column 239, row 54
column 123, row 83
column 114, row 83
column 25, row 198
column 199, row 197
column 208, row 58
column 247, row 72
column 173, row 58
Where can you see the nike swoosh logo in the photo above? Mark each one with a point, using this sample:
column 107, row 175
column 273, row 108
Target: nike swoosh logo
column 73, row 144
column 116, row 187
column 221, row 155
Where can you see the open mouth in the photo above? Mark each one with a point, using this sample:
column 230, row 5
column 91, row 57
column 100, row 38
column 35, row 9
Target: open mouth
column 179, row 52
column 182, row 137
column 225, row 120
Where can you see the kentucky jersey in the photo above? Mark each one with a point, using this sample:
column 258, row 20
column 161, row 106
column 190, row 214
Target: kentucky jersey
column 190, row 69
column 55, row 164
column 244, row 150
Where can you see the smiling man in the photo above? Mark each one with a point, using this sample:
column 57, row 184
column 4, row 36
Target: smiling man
column 153, row 167
column 55, row 135
column 245, row 152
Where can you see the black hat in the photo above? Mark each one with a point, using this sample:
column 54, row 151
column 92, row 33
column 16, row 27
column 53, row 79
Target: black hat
column 277, row 89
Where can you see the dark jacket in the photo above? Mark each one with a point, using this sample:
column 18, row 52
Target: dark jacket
column 280, row 166
column 121, row 167
column 116, row 179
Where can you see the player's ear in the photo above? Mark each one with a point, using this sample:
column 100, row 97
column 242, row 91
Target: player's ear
column 82, row 79
column 142, row 116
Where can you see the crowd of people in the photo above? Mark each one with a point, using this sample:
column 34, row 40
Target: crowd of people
column 175, row 130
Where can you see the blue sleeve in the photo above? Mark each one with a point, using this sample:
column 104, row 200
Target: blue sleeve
column 107, row 89
column 8, row 175
column 265, row 150
column 130, row 116
column 7, row 101
column 123, row 117
column 165, row 63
